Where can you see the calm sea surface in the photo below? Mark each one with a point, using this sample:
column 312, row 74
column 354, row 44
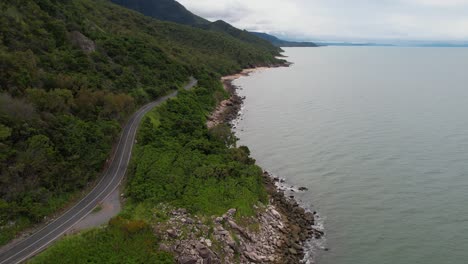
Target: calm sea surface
column 380, row 138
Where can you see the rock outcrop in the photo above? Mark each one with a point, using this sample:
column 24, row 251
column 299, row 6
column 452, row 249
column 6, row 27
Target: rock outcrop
column 82, row 42
column 275, row 235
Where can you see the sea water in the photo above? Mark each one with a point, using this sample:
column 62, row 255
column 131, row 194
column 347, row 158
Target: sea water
column 379, row 136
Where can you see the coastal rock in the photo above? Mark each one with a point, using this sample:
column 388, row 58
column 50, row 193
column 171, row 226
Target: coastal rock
column 275, row 214
column 172, row 233
column 187, row 260
column 293, row 251
column 208, row 242
column 309, row 217
column 239, row 229
column 203, row 251
column 231, row 212
column 297, row 246
column 164, row 247
column 253, row 256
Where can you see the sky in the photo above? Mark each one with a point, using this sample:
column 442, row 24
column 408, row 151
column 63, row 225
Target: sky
column 343, row 20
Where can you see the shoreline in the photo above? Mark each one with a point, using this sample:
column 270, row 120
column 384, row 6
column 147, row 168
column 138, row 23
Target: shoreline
column 228, row 109
column 298, row 222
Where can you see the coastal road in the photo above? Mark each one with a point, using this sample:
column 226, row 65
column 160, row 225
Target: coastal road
column 42, row 238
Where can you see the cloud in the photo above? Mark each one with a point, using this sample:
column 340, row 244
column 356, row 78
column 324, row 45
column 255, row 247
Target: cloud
column 440, row 3
column 343, row 19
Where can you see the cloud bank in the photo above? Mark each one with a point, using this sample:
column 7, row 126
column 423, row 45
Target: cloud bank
column 435, row 20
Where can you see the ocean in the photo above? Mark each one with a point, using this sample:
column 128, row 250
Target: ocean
column 379, row 136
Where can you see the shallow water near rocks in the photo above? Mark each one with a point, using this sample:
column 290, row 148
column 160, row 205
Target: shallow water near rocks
column 379, row 136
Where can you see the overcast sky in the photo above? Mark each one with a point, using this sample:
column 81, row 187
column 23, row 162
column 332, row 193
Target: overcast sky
column 343, row 19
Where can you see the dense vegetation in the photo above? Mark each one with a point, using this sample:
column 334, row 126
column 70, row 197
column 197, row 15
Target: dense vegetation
column 183, row 163
column 283, row 43
column 171, row 10
column 166, row 10
column 71, row 71
column 122, row 241
column 177, row 162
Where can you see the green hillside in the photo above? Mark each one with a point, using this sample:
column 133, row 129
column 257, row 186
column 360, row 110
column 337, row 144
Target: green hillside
column 243, row 35
column 171, row 10
column 71, row 72
column 166, row 10
column 283, row 43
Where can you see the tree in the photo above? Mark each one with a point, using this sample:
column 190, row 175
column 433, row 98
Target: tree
column 146, row 132
column 223, row 133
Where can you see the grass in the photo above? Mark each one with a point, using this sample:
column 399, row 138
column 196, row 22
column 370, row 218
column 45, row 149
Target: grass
column 154, row 117
column 146, row 212
column 96, row 209
column 9, row 231
column 123, row 241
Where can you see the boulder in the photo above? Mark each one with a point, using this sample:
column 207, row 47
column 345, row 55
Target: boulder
column 204, row 252
column 187, row 260
column 172, row 233
column 231, row 212
column 293, row 251
column 164, row 247
column 276, row 214
column 253, row 256
column 297, row 246
column 208, row 242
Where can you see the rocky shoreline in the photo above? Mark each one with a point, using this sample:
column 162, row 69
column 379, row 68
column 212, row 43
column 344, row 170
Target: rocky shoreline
column 228, row 110
column 298, row 221
column 296, row 224
column 277, row 233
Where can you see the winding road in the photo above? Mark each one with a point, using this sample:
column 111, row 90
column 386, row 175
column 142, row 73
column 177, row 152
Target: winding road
column 42, row 238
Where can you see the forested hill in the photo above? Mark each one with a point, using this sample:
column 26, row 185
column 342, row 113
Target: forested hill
column 171, row 10
column 283, row 43
column 71, row 71
column 167, row 10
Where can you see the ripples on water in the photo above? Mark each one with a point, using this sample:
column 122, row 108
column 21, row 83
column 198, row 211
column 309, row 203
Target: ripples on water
column 380, row 138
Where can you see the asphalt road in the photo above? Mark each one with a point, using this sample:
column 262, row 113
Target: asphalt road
column 42, row 238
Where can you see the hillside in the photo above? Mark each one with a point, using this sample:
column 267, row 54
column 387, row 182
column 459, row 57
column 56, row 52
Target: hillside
column 171, row 10
column 223, row 27
column 283, row 43
column 166, row 10
column 71, row 73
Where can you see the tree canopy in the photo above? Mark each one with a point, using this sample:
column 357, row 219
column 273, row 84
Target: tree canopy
column 71, row 72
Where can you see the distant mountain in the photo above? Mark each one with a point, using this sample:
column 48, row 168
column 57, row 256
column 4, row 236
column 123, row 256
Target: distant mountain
column 283, row 43
column 167, row 10
column 432, row 44
column 397, row 43
column 354, row 44
column 444, row 45
column 171, row 10
column 246, row 36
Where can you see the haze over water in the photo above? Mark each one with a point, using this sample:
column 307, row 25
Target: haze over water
column 380, row 138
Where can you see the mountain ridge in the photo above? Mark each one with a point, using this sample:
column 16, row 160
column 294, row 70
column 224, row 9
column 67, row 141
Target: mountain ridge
column 283, row 43
column 159, row 9
column 167, row 10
